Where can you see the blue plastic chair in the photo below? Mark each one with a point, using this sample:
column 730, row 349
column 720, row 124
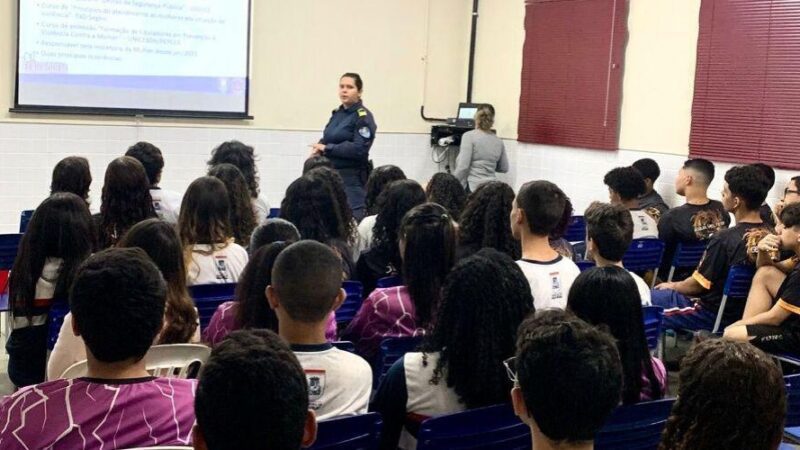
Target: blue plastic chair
column 491, row 428
column 208, row 297
column 585, row 265
column 25, row 219
column 387, row 282
column 345, row 345
column 576, row 230
column 390, row 350
column 687, row 254
column 55, row 318
column 644, row 255
column 9, row 244
column 634, row 427
column 793, row 400
column 737, row 286
column 352, row 303
column 653, row 321
column 362, row 432
column 273, row 213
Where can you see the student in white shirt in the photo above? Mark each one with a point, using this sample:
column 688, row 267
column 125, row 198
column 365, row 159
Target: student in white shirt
column 609, row 232
column 538, row 210
column 205, row 230
column 166, row 203
column 378, row 180
column 625, row 185
column 306, row 287
column 243, row 157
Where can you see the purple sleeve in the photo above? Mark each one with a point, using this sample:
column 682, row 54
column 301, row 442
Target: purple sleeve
column 222, row 323
column 330, row 330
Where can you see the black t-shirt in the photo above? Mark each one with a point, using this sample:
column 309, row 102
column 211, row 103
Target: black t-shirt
column 789, row 298
column 653, row 204
column 734, row 246
column 690, row 223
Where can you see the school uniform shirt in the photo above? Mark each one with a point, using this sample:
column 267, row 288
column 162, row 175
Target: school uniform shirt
column 644, row 226
column 365, row 235
column 550, row 281
column 690, row 223
column 339, row 382
column 224, row 265
column 167, row 204
column 260, row 208
column 386, row 313
column 654, row 203
column 644, row 289
column 647, row 393
column 223, row 323
column 84, row 413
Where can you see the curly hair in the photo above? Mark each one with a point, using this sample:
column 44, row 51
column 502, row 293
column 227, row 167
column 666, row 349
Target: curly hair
column 311, row 207
column 380, row 177
column 242, row 217
column 475, row 332
column 243, row 157
column 205, row 215
column 748, row 183
column 125, row 200
column 253, row 310
column 485, row 220
column 335, row 185
column 731, row 396
column 396, row 200
column 72, row 174
column 625, row 181
column 446, row 190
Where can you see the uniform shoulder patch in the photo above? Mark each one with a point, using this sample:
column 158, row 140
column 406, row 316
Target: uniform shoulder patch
column 362, row 112
column 365, row 132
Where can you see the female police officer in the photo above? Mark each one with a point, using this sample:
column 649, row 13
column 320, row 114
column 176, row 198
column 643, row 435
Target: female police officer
column 347, row 139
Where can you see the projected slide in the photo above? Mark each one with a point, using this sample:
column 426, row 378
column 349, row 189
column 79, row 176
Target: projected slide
column 164, row 55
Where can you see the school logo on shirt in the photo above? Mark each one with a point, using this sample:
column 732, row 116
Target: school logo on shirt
column 706, row 224
column 221, row 262
column 555, row 286
column 643, row 223
column 157, row 205
column 316, row 387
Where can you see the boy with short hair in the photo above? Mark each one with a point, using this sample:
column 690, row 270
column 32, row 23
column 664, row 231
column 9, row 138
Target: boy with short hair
column 537, row 211
column 609, row 232
column 117, row 302
column 650, row 200
column 252, row 393
column 306, row 287
column 625, row 185
column 564, row 408
column 166, row 203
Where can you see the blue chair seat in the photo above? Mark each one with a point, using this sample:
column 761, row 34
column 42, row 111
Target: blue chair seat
column 491, row 428
column 687, row 254
column 55, row 319
column 653, row 321
column 352, row 303
column 644, row 255
column 390, row 350
column 635, row 427
column 387, row 282
column 737, row 286
column 208, row 297
column 24, row 220
column 576, row 230
column 9, row 244
column 360, row 432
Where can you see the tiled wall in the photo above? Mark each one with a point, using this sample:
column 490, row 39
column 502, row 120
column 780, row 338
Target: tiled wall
column 28, row 153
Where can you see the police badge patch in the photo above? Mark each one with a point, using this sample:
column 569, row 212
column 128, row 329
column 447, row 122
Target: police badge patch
column 364, row 132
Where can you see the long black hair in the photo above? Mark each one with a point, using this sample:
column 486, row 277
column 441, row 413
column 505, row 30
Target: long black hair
column 484, row 300
column 253, row 310
column 205, row 214
column 380, row 177
column 335, row 186
column 72, row 174
column 61, row 227
column 428, row 243
column 311, row 207
column 608, row 296
column 243, row 157
column 446, row 190
column 485, row 220
column 396, row 200
column 125, row 201
column 242, row 216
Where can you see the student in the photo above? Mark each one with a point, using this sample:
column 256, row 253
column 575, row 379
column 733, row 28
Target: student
column 774, row 324
column 650, row 200
column 765, row 211
column 60, row 236
column 791, row 194
column 445, row 190
column 538, row 209
column 485, row 222
column 243, row 157
column 699, row 218
column 427, row 242
column 312, row 208
column 242, row 218
column 306, row 287
column 609, row 232
column 460, row 366
column 743, row 193
column 72, row 174
column 316, row 161
column 379, row 179
column 564, row 408
column 608, row 296
column 625, row 185
column 482, row 154
column 336, row 188
column 273, row 230
column 181, row 324
column 383, row 259
column 117, row 301
column 730, row 396
column 205, row 230
column 126, row 200
column 167, row 204
column 252, row 393
column 557, row 240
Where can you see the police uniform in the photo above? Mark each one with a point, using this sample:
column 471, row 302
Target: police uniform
column 348, row 137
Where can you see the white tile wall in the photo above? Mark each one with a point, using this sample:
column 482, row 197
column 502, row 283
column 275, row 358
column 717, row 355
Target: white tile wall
column 28, row 153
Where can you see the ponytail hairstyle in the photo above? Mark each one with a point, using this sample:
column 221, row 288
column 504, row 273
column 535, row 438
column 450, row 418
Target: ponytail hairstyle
column 484, row 117
column 205, row 215
column 427, row 244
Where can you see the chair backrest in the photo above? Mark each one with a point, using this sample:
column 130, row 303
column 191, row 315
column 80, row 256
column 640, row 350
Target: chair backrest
column 689, row 254
column 793, row 400
column 585, row 265
column 576, row 230
column 740, row 277
column 207, row 297
column 345, row 345
column 362, row 432
column 493, row 427
column 274, row 212
column 9, row 244
column 643, row 255
column 635, row 427
column 653, row 320
column 352, row 303
column 390, row 350
column 55, row 318
column 24, row 220
column 387, row 282
column 167, row 361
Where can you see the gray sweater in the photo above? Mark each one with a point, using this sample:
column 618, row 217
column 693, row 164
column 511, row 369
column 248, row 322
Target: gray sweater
column 481, row 155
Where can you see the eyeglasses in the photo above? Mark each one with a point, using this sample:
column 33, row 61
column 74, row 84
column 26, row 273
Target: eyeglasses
column 511, row 368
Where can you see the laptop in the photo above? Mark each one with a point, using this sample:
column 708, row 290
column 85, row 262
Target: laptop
column 466, row 114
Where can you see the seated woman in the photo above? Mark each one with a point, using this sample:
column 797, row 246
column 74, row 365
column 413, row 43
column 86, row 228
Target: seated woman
column 484, row 300
column 125, row 201
column 427, row 241
column 243, row 157
column 273, row 230
column 72, row 174
column 485, row 221
column 181, row 324
column 204, row 226
column 608, row 296
column 379, row 179
column 243, row 218
column 445, row 190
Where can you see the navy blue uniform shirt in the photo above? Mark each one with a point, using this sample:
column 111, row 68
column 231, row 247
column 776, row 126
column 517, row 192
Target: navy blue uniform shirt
column 349, row 136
